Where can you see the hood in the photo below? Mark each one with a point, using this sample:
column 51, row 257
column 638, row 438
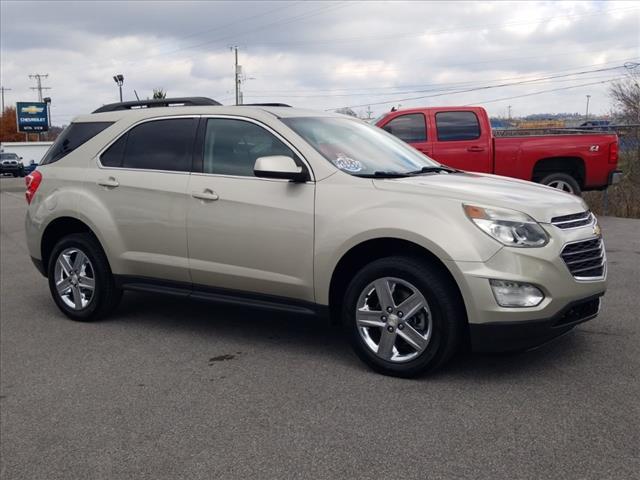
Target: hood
column 540, row 202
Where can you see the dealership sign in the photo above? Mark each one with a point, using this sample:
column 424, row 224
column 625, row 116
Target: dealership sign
column 32, row 117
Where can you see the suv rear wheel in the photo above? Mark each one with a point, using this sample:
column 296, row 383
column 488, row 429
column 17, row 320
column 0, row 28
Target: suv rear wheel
column 80, row 278
column 403, row 316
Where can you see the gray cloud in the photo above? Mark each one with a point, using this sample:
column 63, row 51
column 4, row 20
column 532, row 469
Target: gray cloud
column 317, row 54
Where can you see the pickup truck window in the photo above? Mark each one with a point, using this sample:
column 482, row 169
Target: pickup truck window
column 410, row 128
column 453, row 126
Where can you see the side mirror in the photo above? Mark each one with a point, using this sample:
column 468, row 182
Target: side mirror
column 279, row 166
column 20, row 158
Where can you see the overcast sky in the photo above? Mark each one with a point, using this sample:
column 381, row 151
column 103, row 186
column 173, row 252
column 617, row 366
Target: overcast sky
column 322, row 54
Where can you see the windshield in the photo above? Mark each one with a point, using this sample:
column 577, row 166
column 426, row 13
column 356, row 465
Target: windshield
column 357, row 148
column 8, row 156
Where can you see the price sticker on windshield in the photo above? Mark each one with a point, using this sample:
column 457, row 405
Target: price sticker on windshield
column 348, row 164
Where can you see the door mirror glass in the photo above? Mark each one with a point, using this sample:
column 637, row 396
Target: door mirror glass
column 279, row 166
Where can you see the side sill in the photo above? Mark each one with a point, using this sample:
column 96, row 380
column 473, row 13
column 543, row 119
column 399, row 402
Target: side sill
column 220, row 295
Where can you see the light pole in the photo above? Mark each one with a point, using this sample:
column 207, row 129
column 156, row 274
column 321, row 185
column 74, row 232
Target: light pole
column 119, row 79
column 586, row 115
column 47, row 100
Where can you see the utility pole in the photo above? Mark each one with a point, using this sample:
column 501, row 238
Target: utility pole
column 237, row 77
column 369, row 112
column 509, row 110
column 3, row 89
column 586, row 115
column 38, row 78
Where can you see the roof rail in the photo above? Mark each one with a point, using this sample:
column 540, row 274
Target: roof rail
column 264, row 105
column 157, row 102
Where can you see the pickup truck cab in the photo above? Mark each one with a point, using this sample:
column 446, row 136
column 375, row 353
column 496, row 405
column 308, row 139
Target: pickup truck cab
column 461, row 137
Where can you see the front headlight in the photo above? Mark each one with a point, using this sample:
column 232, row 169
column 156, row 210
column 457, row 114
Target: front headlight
column 509, row 227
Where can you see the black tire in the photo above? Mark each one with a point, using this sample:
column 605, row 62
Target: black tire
column 447, row 313
column 106, row 296
column 563, row 178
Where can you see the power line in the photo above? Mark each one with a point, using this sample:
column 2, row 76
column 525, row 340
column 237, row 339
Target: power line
column 539, row 92
column 442, row 88
column 484, row 87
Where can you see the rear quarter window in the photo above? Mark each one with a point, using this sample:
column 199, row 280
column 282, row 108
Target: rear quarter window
column 71, row 138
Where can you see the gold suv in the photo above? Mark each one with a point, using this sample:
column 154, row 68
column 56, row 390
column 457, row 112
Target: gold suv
column 309, row 212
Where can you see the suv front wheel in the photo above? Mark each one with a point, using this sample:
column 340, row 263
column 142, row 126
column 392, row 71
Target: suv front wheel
column 80, row 278
column 403, row 315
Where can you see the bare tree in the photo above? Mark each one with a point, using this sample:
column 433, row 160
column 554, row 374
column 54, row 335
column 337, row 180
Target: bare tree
column 159, row 93
column 626, row 97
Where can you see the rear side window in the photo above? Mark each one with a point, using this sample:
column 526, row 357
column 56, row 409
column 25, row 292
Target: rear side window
column 411, row 128
column 71, row 138
column 457, row 126
column 156, row 145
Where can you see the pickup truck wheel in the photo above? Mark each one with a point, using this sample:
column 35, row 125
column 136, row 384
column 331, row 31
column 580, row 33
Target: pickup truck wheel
column 403, row 316
column 562, row 181
column 80, row 278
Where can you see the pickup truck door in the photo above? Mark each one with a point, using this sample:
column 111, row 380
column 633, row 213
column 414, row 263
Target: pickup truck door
column 411, row 128
column 461, row 140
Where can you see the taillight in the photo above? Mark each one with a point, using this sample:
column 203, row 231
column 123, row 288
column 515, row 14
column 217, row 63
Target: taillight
column 613, row 152
column 33, row 182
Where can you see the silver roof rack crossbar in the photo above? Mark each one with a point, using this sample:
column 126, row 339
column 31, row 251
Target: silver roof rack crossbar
column 157, row 102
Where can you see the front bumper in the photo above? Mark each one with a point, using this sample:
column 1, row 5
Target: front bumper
column 514, row 336
column 496, row 328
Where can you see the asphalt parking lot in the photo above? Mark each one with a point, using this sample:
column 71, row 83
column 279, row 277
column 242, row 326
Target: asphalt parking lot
column 179, row 389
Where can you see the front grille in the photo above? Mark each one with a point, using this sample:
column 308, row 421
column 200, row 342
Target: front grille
column 574, row 220
column 585, row 259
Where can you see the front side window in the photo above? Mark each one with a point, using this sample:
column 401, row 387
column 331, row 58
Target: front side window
column 71, row 138
column 410, row 128
column 156, row 145
column 457, row 126
column 231, row 147
column 358, row 148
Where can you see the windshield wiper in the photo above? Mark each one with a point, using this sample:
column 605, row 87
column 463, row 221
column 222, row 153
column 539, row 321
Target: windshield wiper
column 433, row 169
column 383, row 174
column 423, row 170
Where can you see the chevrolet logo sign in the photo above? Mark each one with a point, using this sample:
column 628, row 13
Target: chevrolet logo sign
column 31, row 109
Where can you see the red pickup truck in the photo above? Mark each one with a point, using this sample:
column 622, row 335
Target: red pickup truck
column 461, row 137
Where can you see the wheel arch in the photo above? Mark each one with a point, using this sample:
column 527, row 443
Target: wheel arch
column 372, row 249
column 58, row 228
column 570, row 165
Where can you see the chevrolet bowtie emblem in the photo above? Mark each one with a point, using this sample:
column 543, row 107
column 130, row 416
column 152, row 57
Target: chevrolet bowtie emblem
column 32, row 109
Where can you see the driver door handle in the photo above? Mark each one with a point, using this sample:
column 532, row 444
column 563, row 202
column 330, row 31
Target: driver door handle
column 475, row 149
column 207, row 195
column 110, row 182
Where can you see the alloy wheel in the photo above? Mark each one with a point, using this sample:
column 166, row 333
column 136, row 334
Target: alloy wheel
column 394, row 320
column 561, row 185
column 75, row 278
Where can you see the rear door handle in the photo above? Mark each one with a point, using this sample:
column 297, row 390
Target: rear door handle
column 475, row 149
column 207, row 195
column 110, row 182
